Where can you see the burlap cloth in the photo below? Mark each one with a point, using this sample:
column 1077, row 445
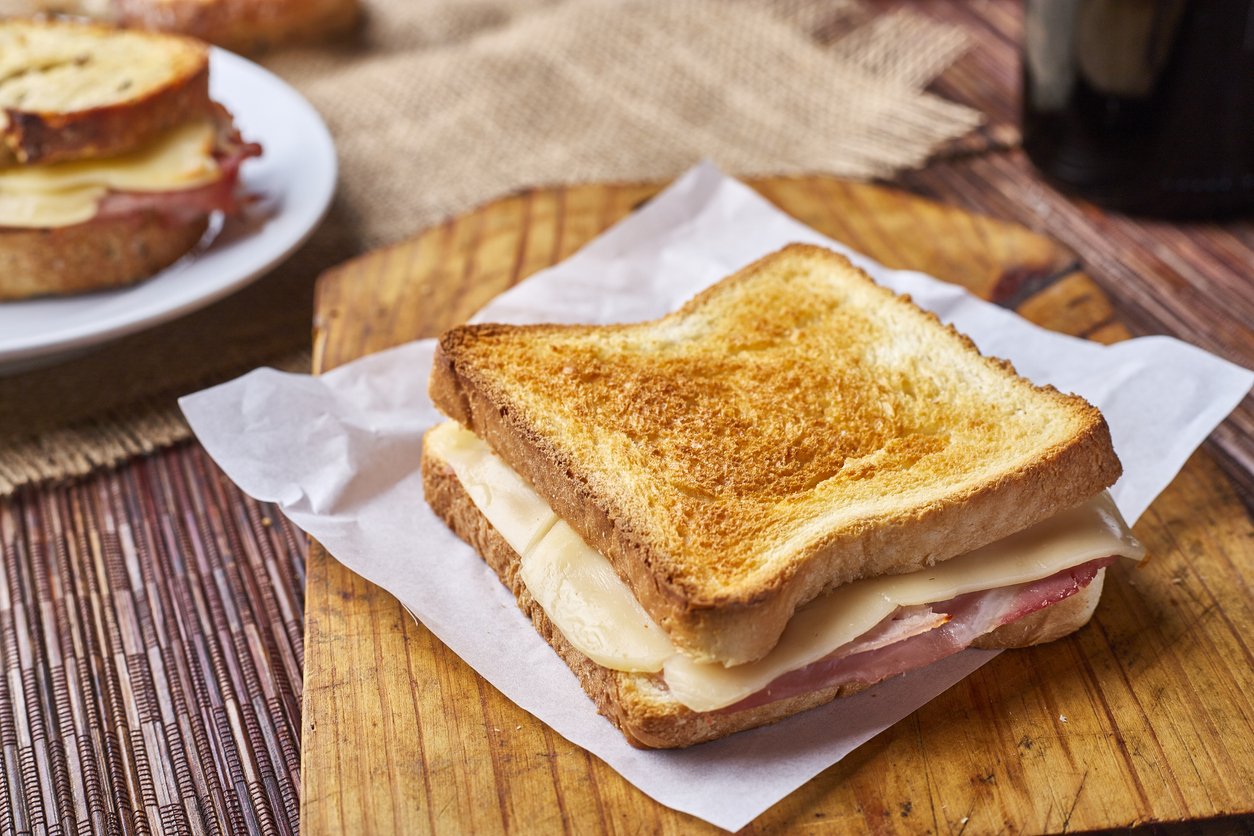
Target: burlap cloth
column 438, row 107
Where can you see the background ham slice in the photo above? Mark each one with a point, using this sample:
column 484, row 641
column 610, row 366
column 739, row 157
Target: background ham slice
column 188, row 204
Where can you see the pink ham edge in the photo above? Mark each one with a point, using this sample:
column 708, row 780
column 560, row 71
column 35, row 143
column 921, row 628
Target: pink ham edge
column 188, row 204
column 969, row 616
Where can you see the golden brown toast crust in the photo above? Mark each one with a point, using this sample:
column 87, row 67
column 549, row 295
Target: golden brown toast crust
column 639, row 704
column 167, row 84
column 96, row 255
column 685, row 451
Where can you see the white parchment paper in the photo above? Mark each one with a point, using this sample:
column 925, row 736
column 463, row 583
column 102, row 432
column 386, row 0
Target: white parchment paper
column 339, row 454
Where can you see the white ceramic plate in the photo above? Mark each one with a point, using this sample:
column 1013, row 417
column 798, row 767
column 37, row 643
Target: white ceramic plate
column 294, row 180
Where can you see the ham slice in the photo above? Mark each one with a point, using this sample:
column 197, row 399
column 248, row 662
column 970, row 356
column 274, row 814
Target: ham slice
column 187, row 205
column 916, row 636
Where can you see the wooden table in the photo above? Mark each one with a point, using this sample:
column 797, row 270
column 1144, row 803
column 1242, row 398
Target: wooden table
column 400, row 735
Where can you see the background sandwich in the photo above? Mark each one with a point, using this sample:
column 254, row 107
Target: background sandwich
column 237, row 25
column 755, row 481
column 112, row 155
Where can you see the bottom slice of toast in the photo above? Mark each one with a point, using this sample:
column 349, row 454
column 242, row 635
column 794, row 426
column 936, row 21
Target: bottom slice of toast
column 640, row 704
column 96, row 255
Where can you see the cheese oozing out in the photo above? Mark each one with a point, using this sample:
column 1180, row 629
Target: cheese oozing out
column 597, row 613
column 67, row 193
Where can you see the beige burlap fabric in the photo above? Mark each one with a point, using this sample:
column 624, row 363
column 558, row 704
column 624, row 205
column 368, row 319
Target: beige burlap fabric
column 438, row 107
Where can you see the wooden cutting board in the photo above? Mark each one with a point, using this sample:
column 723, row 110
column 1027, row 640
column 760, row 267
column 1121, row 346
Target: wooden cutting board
column 1146, row 714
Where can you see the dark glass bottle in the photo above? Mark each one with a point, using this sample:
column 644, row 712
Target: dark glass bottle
column 1145, row 106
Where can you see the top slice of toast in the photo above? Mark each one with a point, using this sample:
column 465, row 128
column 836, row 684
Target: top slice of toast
column 790, row 429
column 71, row 90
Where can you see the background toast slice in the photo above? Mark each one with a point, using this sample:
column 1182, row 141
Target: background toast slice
column 102, row 253
column 792, row 428
column 238, row 25
column 74, row 90
column 639, row 704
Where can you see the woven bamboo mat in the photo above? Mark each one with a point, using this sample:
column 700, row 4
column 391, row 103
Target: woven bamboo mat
column 151, row 620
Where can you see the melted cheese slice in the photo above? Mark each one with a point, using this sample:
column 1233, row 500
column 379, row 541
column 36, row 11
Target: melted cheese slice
column 67, row 193
column 597, row 613
column 573, row 583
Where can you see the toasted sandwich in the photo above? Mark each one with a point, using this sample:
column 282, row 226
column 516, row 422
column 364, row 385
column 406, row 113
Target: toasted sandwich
column 246, row 26
column 112, row 155
column 797, row 485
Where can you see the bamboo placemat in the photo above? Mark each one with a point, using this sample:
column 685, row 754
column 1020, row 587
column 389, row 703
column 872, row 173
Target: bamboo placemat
column 151, row 627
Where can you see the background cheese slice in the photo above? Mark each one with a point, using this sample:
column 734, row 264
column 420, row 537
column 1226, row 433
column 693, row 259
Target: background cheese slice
column 66, row 193
column 49, row 209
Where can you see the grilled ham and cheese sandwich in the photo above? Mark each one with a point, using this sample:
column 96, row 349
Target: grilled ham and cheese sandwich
column 795, row 486
column 112, row 155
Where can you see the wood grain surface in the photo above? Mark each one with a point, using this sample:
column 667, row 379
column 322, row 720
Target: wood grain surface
column 1144, row 715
